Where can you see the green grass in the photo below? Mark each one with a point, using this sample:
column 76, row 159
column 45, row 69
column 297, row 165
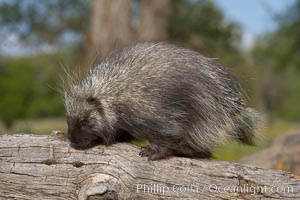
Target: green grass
column 228, row 152
column 38, row 126
column 140, row 143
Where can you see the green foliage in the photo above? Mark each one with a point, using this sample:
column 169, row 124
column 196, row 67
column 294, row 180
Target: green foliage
column 201, row 25
column 37, row 21
column 276, row 56
column 25, row 85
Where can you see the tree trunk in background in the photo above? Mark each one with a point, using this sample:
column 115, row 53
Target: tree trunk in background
column 153, row 21
column 110, row 26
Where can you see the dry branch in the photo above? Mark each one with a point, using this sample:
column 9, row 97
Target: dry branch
column 45, row 167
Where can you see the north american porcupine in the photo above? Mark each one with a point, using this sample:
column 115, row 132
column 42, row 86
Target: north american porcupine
column 180, row 101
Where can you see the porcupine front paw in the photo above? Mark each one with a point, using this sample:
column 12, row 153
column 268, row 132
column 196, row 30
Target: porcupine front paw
column 145, row 151
column 154, row 152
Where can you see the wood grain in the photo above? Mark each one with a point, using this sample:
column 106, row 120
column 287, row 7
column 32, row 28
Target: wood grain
column 45, row 167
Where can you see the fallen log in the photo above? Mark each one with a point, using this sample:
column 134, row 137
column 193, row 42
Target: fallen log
column 283, row 153
column 45, row 167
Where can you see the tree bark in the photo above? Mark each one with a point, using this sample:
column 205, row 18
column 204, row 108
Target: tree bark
column 153, row 20
column 45, row 167
column 110, row 26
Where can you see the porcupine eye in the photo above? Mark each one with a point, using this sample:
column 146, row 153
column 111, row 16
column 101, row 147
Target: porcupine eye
column 84, row 123
column 96, row 103
column 92, row 101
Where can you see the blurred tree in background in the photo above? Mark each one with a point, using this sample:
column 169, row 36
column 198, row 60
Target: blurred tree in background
column 119, row 22
column 26, row 89
column 26, row 83
column 154, row 19
column 201, row 25
column 77, row 30
column 44, row 21
column 276, row 56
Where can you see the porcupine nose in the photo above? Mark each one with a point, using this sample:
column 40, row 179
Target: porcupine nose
column 73, row 129
column 71, row 135
column 74, row 141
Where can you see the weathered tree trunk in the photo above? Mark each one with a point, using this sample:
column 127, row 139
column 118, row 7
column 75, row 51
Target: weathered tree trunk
column 45, row 167
column 153, row 20
column 110, row 25
column 282, row 153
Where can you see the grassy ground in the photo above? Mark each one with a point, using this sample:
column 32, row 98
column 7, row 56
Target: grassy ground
column 38, row 126
column 228, row 152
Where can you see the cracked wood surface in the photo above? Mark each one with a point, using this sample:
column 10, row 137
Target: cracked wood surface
column 45, row 167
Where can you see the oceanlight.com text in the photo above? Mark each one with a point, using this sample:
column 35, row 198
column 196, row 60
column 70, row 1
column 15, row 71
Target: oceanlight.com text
column 212, row 188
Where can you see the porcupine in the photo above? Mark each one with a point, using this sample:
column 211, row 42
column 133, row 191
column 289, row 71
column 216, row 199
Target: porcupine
column 183, row 103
